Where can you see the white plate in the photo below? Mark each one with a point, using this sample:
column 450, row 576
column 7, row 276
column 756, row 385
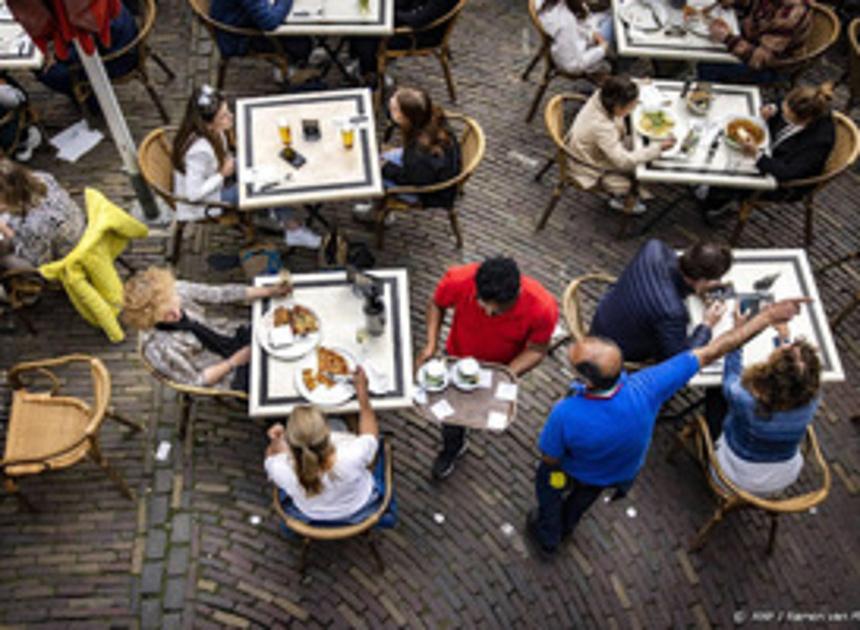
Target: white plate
column 755, row 119
column 637, row 15
column 324, row 396
column 700, row 25
column 676, row 129
column 438, row 388
column 301, row 344
column 461, row 384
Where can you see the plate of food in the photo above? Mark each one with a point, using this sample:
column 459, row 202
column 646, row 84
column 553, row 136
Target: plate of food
column 643, row 15
column 289, row 331
column 433, row 375
column 698, row 20
column 741, row 130
column 466, row 374
column 325, row 377
column 657, row 125
column 699, row 99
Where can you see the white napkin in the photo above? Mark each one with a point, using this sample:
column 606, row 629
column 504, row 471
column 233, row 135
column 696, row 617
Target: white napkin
column 442, row 409
column 281, row 336
column 650, row 97
column 420, row 396
column 497, row 421
column 485, row 379
column 506, row 391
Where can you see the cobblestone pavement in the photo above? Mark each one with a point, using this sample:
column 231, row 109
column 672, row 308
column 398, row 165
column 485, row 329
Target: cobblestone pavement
column 189, row 552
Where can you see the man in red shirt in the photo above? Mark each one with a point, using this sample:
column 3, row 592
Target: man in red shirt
column 499, row 316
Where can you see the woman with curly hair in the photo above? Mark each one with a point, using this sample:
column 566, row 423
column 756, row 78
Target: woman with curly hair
column 770, row 405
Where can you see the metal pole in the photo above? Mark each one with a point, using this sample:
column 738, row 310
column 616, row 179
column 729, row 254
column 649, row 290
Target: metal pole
column 103, row 90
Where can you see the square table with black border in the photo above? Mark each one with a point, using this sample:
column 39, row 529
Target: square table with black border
column 331, row 172
column 329, row 295
column 17, row 50
column 339, row 17
column 795, row 280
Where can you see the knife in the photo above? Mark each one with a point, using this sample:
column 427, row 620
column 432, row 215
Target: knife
column 715, row 143
column 654, row 17
column 685, row 89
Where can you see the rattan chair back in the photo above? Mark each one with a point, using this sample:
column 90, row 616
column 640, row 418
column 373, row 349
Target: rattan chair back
column 846, row 149
column 823, row 34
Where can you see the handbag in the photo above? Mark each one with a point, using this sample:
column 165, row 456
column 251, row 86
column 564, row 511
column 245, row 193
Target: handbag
column 262, row 259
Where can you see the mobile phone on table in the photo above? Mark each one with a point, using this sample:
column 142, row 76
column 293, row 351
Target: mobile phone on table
column 293, row 157
column 750, row 305
column 311, row 129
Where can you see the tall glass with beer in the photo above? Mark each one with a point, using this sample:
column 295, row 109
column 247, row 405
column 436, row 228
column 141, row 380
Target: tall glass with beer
column 285, row 132
column 347, row 135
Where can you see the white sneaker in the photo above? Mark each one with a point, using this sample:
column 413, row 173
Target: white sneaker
column 277, row 75
column 617, row 203
column 318, row 57
column 34, row 140
column 701, row 192
column 362, row 210
column 302, row 237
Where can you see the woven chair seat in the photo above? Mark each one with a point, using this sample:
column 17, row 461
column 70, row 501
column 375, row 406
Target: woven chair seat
column 39, row 425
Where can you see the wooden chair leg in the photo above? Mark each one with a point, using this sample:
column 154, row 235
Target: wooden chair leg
column 185, row 404
column 548, row 165
column 176, row 245
column 699, row 541
column 376, row 556
column 743, row 216
column 455, row 226
column 444, row 57
column 834, row 323
column 113, row 414
column 682, row 437
column 23, row 502
column 110, row 471
column 838, row 261
column 163, row 65
column 544, row 83
column 538, row 55
column 627, row 218
column 771, row 538
column 156, row 100
column 26, row 321
column 380, row 227
column 222, row 73
column 556, row 195
column 809, row 205
column 303, row 557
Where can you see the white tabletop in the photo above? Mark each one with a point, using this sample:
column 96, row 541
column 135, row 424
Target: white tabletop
column 17, row 50
column 339, row 17
column 331, row 172
column 389, row 356
column 633, row 42
column 728, row 167
column 795, row 279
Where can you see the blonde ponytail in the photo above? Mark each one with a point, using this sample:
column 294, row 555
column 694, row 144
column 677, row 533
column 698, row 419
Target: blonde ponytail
column 308, row 436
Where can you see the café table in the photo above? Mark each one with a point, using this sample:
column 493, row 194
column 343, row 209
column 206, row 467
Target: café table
column 795, row 280
column 691, row 46
column 388, row 357
column 331, row 172
column 485, row 407
column 339, row 17
column 17, row 50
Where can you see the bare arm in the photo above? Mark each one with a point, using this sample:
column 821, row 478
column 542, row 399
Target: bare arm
column 214, row 373
column 367, row 424
column 779, row 312
column 435, row 315
column 277, row 442
column 528, row 358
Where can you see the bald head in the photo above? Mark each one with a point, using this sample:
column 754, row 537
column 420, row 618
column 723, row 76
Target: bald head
column 598, row 361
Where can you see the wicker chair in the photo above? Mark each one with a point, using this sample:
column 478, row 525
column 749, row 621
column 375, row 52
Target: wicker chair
column 845, row 152
column 472, row 148
column 156, row 166
column 48, row 431
column 550, row 71
column 822, row 35
column 441, row 51
column 82, row 89
column 278, row 58
column 310, row 533
column 853, row 31
column 554, row 118
column 188, row 394
column 695, row 437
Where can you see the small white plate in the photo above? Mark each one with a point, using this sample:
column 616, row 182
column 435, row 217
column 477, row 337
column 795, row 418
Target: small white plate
column 301, row 344
column 422, row 380
column 324, row 396
column 460, row 384
column 637, row 15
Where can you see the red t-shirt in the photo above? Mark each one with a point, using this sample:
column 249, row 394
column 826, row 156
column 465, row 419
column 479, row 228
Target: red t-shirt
column 499, row 338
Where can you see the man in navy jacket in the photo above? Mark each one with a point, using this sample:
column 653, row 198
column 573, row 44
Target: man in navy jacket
column 645, row 311
column 257, row 14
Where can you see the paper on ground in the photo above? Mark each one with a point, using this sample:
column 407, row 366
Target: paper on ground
column 75, row 141
column 497, row 421
column 506, row 391
column 442, row 409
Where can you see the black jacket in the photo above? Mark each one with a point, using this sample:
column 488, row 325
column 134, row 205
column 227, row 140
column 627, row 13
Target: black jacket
column 644, row 312
column 802, row 155
column 422, row 168
column 418, row 13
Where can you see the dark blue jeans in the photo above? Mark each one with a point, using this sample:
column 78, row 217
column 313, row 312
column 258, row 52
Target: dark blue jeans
column 735, row 73
column 559, row 510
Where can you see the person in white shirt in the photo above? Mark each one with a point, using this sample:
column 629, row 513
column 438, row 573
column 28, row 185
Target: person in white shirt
column 325, row 473
column 581, row 40
column 15, row 121
column 204, row 170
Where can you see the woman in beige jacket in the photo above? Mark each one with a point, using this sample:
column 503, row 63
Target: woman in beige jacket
column 600, row 143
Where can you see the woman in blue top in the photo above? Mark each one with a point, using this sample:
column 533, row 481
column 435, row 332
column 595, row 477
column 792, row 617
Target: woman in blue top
column 770, row 405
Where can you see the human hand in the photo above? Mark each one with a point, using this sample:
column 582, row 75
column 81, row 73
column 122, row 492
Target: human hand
column 600, row 40
column 281, row 289
column 668, row 143
column 240, row 357
column 360, row 382
column 276, row 431
column 718, row 30
column 739, row 319
column 425, row 355
column 714, row 313
column 784, row 310
column 782, row 330
column 228, row 168
column 6, row 231
column 767, row 111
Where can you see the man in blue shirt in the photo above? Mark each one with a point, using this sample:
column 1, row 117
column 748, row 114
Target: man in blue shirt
column 598, row 436
column 645, row 313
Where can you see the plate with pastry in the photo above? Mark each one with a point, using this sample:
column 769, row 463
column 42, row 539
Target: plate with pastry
column 289, row 331
column 325, row 377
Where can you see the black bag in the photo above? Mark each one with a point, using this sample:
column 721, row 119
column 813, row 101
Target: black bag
column 336, row 252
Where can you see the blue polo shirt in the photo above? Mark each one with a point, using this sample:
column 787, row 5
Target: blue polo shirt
column 603, row 441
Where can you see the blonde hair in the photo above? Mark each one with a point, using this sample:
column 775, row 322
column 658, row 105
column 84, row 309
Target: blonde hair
column 811, row 103
column 308, row 438
column 20, row 189
column 147, row 294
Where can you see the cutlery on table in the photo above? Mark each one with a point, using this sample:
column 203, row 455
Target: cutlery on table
column 715, row 143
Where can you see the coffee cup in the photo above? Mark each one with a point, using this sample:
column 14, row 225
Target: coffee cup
column 468, row 370
column 434, row 373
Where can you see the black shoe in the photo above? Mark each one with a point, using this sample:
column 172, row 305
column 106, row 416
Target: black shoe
column 443, row 466
column 545, row 553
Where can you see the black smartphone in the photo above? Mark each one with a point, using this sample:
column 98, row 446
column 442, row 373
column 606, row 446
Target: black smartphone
column 311, row 129
column 750, row 305
column 293, row 157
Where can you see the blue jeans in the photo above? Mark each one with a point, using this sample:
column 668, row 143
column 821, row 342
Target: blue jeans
column 735, row 73
column 558, row 514
column 230, row 194
column 395, row 156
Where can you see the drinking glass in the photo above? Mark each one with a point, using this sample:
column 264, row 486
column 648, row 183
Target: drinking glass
column 285, row 132
column 347, row 135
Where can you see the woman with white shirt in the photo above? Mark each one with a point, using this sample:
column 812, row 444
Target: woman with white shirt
column 580, row 39
column 325, row 473
column 204, row 170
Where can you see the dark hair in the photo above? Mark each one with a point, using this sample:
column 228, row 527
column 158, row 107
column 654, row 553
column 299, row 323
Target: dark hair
column 705, row 261
column 617, row 92
column 810, row 103
column 425, row 122
column 498, row 280
column 20, row 189
column 788, row 380
column 596, row 379
column 577, row 7
column 203, row 106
